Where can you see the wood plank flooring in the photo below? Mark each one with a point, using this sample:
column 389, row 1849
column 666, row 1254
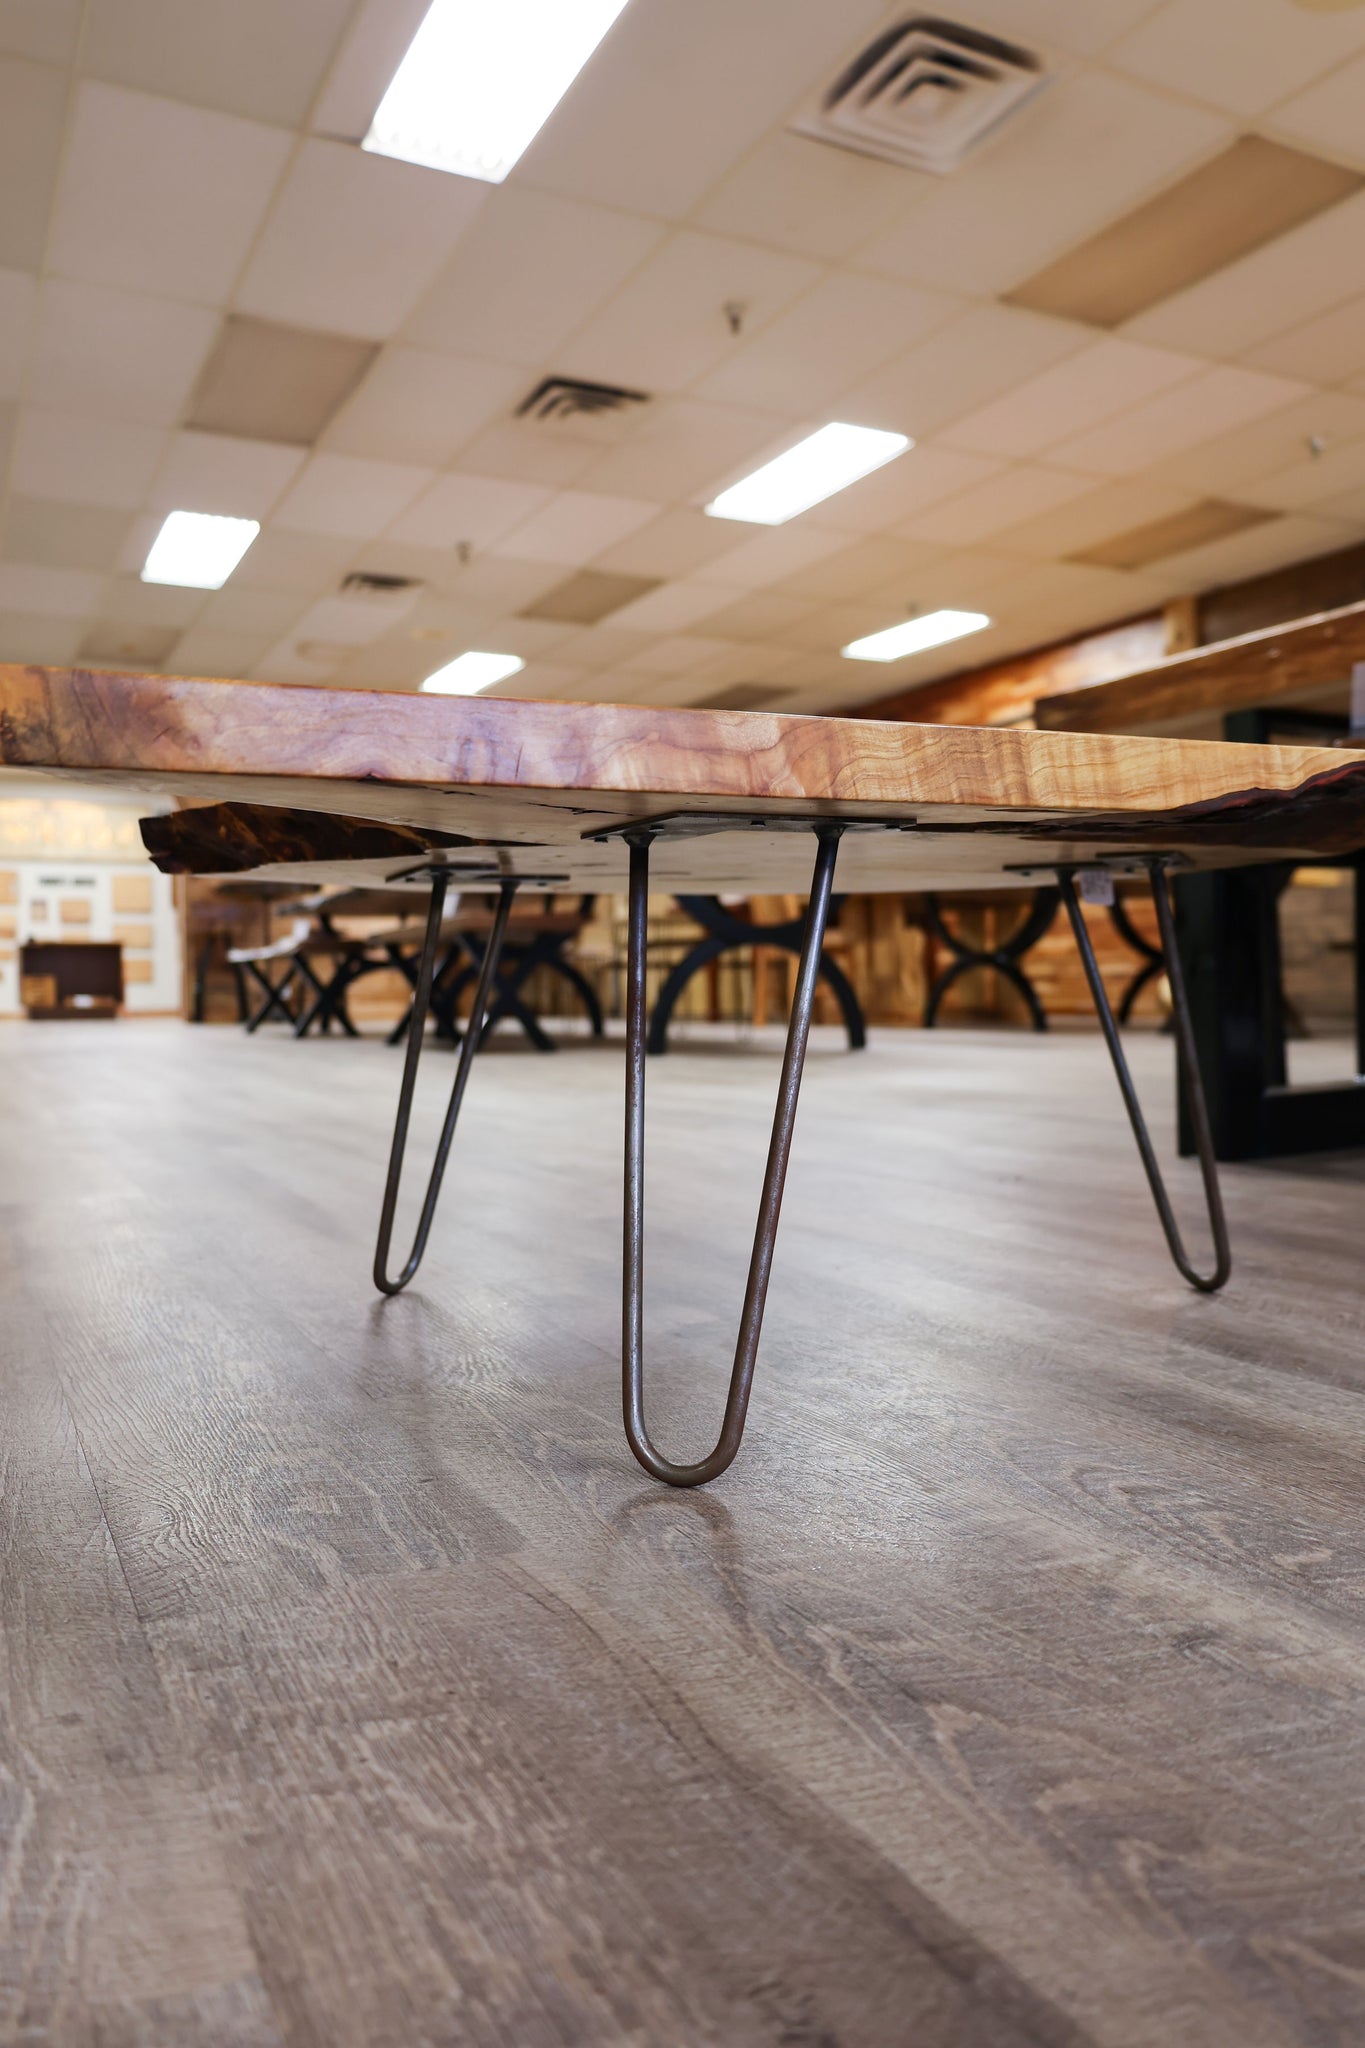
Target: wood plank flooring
column 356, row 1691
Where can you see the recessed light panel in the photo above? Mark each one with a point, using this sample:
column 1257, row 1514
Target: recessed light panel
column 198, row 550
column 912, row 636
column 472, row 672
column 1248, row 195
column 480, row 80
column 827, row 461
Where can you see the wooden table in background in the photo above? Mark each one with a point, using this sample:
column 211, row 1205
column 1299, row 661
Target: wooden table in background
column 1286, row 682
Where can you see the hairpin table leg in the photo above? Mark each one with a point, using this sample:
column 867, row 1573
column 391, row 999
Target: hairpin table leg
column 1190, row 1081
column 421, row 1004
column 765, row 1235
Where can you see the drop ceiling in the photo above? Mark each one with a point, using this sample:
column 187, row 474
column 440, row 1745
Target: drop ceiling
column 210, row 298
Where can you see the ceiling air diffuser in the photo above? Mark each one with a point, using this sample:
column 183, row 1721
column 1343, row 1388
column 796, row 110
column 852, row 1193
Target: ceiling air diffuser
column 924, row 93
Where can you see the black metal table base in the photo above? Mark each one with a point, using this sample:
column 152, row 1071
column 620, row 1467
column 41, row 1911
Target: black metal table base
column 726, row 933
column 827, row 834
column 1004, row 959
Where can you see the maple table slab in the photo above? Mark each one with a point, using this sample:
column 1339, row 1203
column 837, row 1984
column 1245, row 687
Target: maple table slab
column 402, row 791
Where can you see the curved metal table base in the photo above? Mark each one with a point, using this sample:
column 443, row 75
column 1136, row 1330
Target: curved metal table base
column 469, row 1045
column 1003, row 959
column 726, row 933
column 1191, row 1084
column 770, row 1205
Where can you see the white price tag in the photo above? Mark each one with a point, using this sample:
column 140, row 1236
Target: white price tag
column 1096, row 885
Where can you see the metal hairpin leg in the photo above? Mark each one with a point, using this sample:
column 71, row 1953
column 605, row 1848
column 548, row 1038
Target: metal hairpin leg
column 765, row 1235
column 421, row 1004
column 1189, row 1079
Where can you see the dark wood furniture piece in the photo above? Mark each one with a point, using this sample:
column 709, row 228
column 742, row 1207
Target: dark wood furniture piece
column 1284, row 683
column 317, row 785
column 70, row 978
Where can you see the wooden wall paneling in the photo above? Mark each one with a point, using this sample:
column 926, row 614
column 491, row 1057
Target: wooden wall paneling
column 134, row 935
column 74, row 910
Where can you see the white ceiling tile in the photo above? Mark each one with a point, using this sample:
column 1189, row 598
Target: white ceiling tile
column 253, row 57
column 1076, row 26
column 1071, row 396
column 354, row 239
column 219, row 473
column 780, row 551
column 673, row 95
column 987, row 508
column 1113, row 508
column 1329, row 349
column 128, row 601
column 1243, row 61
column 668, row 325
column 857, row 568
column 680, row 448
column 261, row 615
column 1326, row 117
column 523, row 452
column 50, row 593
column 1228, row 464
column 672, row 608
column 835, row 334
column 27, row 636
column 1312, row 481
column 793, row 193
column 1211, row 403
column 90, row 462
column 117, row 355
column 679, row 542
column 417, row 406
column 1300, row 273
column 574, row 527
column 43, row 29
column 476, row 509
column 18, row 303
column 32, row 117
column 679, row 652
column 57, row 535
column 347, row 495
column 303, row 563
column 531, row 268
column 975, row 357
column 161, row 198
column 1090, row 147
column 206, row 651
column 491, row 585
column 924, row 476
column 766, row 616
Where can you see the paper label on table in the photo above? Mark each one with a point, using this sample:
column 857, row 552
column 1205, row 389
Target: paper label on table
column 1096, row 885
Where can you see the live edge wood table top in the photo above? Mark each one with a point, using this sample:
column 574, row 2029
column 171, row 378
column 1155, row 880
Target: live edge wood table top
column 357, row 785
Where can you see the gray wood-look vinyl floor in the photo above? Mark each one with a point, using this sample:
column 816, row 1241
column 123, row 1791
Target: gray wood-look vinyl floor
column 357, row 1690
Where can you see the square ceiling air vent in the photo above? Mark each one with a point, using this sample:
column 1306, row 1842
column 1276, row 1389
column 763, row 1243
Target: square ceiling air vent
column 925, row 93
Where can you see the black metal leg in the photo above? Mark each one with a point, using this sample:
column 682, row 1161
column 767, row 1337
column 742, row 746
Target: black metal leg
column 765, row 1235
column 421, row 1003
column 1191, row 1084
column 275, row 995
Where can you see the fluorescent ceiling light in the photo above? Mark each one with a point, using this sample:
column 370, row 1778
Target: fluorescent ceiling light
column 481, row 78
column 827, row 461
column 912, row 636
column 198, row 549
column 470, row 673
